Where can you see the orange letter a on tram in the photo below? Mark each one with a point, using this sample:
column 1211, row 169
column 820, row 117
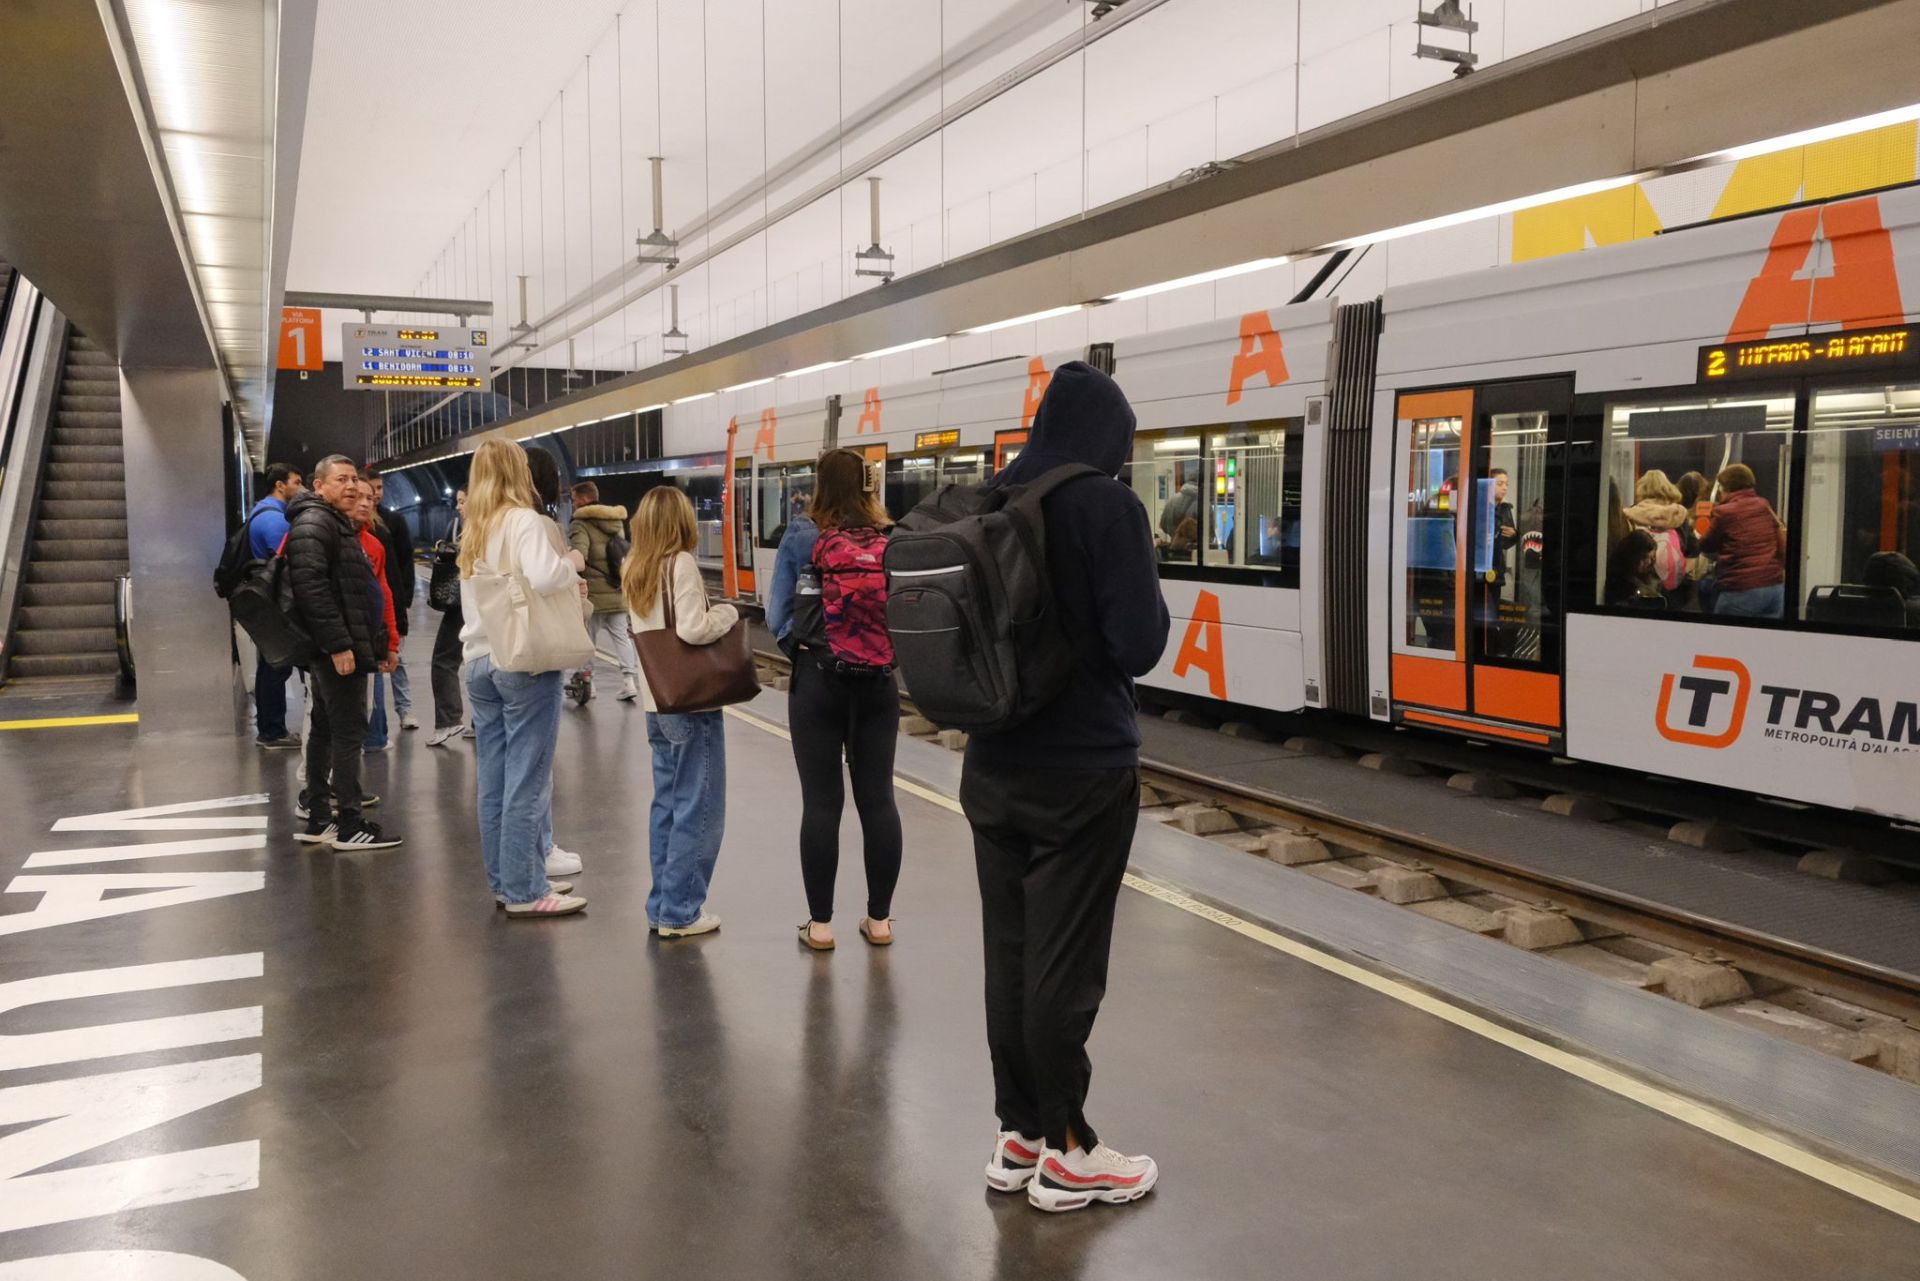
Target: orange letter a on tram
column 869, row 413
column 1205, row 646
column 769, row 422
column 1037, row 380
column 1259, row 354
column 1863, row 291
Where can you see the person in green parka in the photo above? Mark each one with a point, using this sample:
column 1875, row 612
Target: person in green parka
column 593, row 529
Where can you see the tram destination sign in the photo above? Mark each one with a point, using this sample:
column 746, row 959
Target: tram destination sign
column 1895, row 348
column 414, row 357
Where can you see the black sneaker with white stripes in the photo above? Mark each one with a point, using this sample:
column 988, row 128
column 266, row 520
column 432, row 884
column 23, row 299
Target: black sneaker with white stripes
column 362, row 835
column 320, row 830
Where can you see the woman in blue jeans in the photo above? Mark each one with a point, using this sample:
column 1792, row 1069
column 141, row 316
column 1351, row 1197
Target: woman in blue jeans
column 516, row 715
column 689, row 750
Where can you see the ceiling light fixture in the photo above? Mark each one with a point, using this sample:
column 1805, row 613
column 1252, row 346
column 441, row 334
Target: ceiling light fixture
column 757, row 382
column 1199, row 278
column 673, row 342
column 657, row 247
column 814, row 369
column 873, row 260
column 915, row 345
column 698, row 395
column 1048, row 314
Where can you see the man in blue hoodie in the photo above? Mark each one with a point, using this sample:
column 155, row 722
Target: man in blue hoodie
column 1053, row 803
column 266, row 530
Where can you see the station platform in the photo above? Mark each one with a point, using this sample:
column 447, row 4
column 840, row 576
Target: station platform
column 408, row 1084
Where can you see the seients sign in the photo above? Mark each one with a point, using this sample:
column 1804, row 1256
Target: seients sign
column 399, row 357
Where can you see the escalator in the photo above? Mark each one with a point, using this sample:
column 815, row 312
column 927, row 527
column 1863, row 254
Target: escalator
column 66, row 625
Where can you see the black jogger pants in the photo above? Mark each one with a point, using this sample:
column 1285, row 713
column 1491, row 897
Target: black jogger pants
column 336, row 740
column 448, row 707
column 833, row 714
column 1050, row 847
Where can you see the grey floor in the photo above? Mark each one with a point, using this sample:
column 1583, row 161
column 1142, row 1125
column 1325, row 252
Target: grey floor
column 446, row 1094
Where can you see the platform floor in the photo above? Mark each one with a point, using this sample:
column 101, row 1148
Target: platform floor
column 446, row 1094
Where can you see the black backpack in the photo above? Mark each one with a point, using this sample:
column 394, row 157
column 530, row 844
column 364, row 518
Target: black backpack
column 235, row 560
column 976, row 632
column 618, row 550
column 262, row 603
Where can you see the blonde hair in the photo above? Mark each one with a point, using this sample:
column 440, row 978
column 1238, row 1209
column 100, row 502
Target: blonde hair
column 662, row 527
column 1654, row 486
column 498, row 483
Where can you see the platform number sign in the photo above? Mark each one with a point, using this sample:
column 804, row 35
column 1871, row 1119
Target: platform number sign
column 300, row 338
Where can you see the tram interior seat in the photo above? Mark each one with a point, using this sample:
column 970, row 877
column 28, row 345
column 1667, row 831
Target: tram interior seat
column 1856, row 605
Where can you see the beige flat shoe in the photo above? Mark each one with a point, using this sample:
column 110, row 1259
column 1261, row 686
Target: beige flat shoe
column 866, row 932
column 808, row 940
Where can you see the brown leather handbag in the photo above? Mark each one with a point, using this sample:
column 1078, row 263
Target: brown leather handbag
column 695, row 678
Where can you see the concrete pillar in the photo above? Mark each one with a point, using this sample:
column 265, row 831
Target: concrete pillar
column 176, row 498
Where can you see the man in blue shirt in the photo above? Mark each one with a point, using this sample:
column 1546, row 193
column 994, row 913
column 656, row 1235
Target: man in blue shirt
column 266, row 530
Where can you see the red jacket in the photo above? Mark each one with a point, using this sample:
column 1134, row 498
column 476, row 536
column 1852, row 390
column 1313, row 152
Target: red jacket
column 377, row 557
column 1745, row 540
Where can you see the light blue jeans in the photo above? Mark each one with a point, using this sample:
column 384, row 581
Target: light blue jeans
column 516, row 720
column 1755, row 602
column 689, row 814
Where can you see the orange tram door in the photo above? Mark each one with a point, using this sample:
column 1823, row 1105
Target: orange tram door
column 1478, row 594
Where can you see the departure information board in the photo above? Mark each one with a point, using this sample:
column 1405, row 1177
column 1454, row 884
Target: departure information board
column 414, row 357
column 1812, row 354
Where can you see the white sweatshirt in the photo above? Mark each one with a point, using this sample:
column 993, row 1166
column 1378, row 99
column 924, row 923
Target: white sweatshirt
column 696, row 622
column 538, row 551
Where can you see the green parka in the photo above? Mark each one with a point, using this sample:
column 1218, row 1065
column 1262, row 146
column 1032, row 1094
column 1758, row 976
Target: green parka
column 592, row 526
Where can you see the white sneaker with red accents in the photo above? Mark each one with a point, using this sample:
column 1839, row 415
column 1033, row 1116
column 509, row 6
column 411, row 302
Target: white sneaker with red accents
column 1014, row 1158
column 1074, row 1180
column 553, row 904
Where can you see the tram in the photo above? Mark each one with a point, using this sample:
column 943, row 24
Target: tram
column 1405, row 507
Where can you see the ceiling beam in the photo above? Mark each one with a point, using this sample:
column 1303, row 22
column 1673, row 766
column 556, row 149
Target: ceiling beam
column 391, row 302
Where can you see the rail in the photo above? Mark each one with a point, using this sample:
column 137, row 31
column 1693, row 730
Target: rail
column 123, row 625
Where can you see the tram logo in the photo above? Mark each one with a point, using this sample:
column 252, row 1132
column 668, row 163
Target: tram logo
column 1861, row 290
column 1260, row 356
column 1700, row 703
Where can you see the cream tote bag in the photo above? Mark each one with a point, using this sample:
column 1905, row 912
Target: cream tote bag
column 531, row 631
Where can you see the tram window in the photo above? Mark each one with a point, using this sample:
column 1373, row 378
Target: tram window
column 910, row 481
column 1662, row 461
column 784, row 493
column 1509, row 532
column 1166, row 473
column 1433, row 499
column 1860, row 516
column 1253, row 503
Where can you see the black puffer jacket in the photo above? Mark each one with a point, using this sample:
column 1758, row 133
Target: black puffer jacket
column 333, row 583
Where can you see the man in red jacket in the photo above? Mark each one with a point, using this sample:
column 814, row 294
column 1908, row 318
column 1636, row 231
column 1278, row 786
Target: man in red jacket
column 1746, row 539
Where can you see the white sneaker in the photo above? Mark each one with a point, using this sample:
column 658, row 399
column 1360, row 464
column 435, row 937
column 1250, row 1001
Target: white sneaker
column 466, row 731
column 554, row 904
column 563, row 863
column 555, row 887
column 629, row 690
column 1015, row 1157
column 706, row 923
column 408, row 722
column 1074, row 1180
column 441, row 737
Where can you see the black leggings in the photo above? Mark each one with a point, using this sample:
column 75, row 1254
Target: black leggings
column 828, row 714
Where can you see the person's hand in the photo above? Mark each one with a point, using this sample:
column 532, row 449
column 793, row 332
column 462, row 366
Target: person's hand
column 583, row 589
column 575, row 559
column 343, row 663
column 393, row 662
column 1506, row 531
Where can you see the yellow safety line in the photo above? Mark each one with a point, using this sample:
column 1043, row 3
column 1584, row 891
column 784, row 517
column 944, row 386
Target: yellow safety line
column 1687, row 1111
column 67, row 722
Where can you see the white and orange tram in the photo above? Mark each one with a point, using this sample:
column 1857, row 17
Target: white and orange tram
column 1404, row 508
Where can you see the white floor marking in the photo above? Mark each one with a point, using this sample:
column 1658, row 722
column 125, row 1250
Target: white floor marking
column 83, row 1113
column 118, row 1265
column 136, row 1036
column 68, row 899
column 155, row 818
column 1832, row 1173
column 148, row 849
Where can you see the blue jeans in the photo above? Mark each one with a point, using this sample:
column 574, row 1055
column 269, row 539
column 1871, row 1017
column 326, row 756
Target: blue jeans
column 516, row 719
column 377, row 714
column 689, row 813
column 402, row 690
column 1755, row 602
column 270, row 699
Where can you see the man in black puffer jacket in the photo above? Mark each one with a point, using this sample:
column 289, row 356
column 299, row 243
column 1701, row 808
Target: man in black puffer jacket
column 334, row 594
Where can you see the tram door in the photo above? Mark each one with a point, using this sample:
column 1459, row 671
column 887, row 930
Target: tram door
column 739, row 571
column 1477, row 614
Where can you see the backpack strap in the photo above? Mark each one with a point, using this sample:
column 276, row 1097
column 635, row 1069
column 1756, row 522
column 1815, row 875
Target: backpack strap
column 1034, row 492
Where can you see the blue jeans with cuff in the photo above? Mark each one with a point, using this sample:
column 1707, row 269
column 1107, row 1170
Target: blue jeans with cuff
column 516, row 721
column 689, row 814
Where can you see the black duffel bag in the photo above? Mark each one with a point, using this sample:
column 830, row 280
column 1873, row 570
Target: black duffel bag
column 262, row 603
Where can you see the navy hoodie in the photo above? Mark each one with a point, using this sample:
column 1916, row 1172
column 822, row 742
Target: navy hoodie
column 1105, row 579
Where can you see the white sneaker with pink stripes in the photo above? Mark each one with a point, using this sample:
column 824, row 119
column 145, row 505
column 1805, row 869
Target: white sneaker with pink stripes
column 1014, row 1158
column 553, row 904
column 1074, row 1180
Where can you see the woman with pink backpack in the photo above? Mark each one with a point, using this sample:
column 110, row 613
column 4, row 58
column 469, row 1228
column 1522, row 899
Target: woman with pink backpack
column 1659, row 510
column 828, row 609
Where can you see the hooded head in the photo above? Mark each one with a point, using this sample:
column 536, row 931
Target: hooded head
column 1083, row 418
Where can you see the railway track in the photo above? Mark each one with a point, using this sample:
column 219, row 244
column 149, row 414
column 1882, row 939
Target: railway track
column 1836, row 1004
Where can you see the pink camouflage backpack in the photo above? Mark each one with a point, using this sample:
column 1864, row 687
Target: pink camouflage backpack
column 851, row 564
